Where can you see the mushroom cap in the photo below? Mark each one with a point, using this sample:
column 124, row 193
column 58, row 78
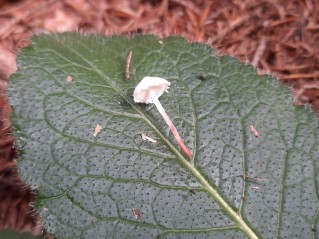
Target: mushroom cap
column 142, row 90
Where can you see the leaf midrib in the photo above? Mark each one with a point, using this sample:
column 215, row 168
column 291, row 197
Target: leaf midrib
column 210, row 188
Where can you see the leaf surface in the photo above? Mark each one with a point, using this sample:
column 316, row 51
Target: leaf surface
column 117, row 185
column 6, row 234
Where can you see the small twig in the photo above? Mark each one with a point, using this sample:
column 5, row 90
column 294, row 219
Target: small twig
column 283, row 21
column 128, row 62
column 290, row 68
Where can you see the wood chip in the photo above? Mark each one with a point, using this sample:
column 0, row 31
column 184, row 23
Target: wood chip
column 255, row 132
column 145, row 137
column 97, row 130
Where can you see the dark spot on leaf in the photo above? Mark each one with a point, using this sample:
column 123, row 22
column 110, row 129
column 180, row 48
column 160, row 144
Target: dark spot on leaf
column 201, row 77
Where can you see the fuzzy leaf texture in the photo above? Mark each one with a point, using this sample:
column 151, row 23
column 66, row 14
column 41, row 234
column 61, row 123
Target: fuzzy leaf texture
column 15, row 235
column 117, row 185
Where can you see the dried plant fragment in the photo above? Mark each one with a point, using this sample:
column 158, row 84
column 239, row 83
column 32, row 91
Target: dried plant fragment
column 97, row 130
column 145, row 137
column 128, row 63
column 137, row 213
column 255, row 132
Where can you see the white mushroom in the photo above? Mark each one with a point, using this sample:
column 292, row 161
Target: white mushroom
column 148, row 91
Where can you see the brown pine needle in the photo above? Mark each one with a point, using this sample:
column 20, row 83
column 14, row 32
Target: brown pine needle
column 300, row 76
column 128, row 62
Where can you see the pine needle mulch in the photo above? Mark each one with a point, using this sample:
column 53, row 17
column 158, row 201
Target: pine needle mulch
column 277, row 37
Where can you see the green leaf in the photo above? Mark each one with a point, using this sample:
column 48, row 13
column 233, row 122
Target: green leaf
column 15, row 235
column 90, row 187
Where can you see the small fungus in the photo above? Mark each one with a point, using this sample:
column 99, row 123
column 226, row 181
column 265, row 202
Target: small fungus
column 148, row 91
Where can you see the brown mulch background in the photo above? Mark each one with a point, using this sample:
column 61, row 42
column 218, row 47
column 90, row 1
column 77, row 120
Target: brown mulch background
column 278, row 37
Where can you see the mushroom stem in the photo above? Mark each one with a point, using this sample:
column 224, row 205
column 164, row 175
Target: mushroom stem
column 170, row 124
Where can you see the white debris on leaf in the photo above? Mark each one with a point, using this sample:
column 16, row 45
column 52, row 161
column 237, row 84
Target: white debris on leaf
column 145, row 137
column 142, row 91
column 97, row 130
column 69, row 78
column 253, row 129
